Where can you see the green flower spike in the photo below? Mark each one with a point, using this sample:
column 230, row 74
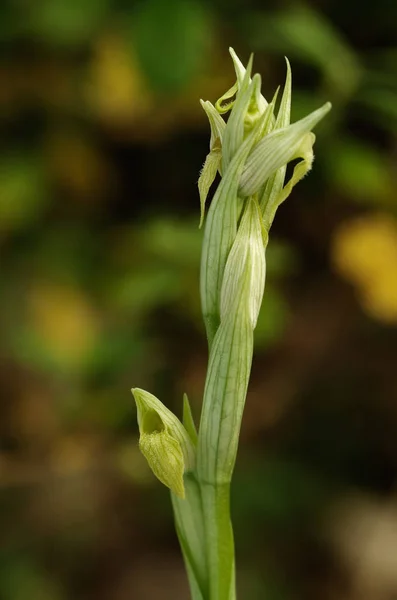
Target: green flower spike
column 164, row 441
column 250, row 151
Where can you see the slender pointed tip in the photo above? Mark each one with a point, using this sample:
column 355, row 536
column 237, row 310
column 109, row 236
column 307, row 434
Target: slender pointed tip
column 135, row 394
column 257, row 78
column 320, row 112
column 275, row 96
column 249, row 67
column 326, row 107
column 289, row 71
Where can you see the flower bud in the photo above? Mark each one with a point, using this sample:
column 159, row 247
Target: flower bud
column 164, row 441
column 246, row 263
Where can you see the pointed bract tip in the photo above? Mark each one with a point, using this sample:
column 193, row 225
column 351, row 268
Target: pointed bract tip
column 250, row 62
column 289, row 71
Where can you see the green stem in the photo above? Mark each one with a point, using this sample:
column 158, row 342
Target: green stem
column 219, row 541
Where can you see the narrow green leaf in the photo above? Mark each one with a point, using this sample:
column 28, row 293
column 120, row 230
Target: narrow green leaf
column 189, row 522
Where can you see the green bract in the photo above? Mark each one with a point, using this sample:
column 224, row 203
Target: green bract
column 250, row 152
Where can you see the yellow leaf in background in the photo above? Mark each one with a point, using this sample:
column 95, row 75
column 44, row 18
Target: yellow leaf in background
column 379, row 299
column 116, row 90
column 64, row 321
column 364, row 251
column 118, row 93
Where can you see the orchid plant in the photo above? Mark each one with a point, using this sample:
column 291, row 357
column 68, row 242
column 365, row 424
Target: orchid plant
column 250, row 151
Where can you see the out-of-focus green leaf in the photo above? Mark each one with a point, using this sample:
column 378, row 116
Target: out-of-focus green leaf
column 65, row 253
column 173, row 241
column 21, row 579
column 382, row 67
column 360, row 171
column 117, row 349
column 304, row 33
column 171, row 39
column 140, row 292
column 383, row 105
column 23, row 191
column 65, row 22
column 379, row 88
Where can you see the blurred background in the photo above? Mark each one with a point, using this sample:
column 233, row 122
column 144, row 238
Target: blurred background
column 102, row 141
